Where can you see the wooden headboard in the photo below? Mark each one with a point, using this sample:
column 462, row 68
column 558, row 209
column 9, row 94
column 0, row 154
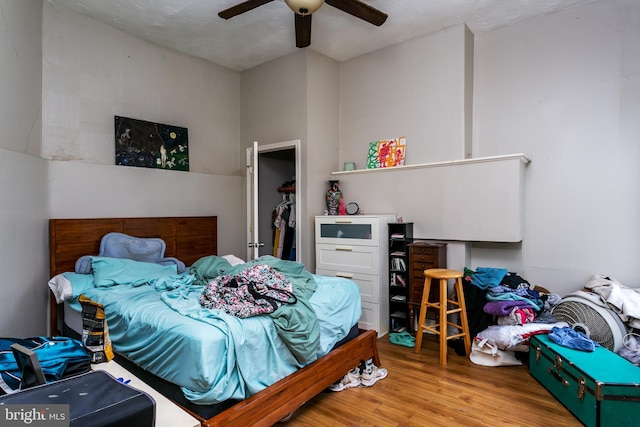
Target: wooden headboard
column 187, row 238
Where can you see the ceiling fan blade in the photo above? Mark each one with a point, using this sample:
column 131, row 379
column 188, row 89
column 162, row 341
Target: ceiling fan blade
column 359, row 10
column 303, row 30
column 242, row 8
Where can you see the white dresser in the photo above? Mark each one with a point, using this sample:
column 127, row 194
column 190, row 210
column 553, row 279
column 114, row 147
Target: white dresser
column 355, row 247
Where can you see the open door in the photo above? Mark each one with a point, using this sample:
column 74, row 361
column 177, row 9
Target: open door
column 252, row 202
column 268, row 166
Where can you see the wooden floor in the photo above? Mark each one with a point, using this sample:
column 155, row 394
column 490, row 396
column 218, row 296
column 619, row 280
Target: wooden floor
column 420, row 392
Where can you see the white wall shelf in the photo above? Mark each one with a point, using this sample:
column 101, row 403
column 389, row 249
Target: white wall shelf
column 471, row 200
column 520, row 156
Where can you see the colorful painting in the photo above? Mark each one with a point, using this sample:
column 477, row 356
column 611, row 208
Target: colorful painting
column 387, row 153
column 151, row 145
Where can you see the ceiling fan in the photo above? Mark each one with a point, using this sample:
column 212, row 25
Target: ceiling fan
column 303, row 10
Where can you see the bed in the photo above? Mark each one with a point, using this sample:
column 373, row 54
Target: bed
column 190, row 239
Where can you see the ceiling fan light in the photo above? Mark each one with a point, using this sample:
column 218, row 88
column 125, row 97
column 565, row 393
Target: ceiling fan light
column 304, row 7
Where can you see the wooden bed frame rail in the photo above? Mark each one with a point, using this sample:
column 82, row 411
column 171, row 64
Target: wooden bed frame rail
column 280, row 399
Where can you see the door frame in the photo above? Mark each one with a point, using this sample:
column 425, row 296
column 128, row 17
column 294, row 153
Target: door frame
column 253, row 199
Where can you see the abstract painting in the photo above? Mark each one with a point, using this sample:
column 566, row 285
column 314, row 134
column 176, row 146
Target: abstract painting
column 387, row 153
column 151, row 145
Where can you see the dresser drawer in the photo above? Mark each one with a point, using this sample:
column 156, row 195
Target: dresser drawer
column 425, row 255
column 369, row 284
column 418, row 267
column 352, row 230
column 348, row 258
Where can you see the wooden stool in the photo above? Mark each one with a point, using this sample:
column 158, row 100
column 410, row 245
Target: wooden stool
column 442, row 306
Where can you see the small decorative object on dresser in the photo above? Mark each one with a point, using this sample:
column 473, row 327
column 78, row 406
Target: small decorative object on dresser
column 400, row 235
column 352, row 208
column 422, row 256
column 334, row 197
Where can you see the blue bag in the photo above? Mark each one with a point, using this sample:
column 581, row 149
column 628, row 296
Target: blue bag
column 59, row 357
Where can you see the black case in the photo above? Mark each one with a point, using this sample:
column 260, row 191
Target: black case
column 95, row 399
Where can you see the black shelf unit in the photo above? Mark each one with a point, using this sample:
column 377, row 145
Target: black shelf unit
column 400, row 235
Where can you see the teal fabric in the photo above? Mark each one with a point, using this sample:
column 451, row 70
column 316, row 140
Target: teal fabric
column 212, row 266
column 80, row 282
column 211, row 355
column 403, row 338
column 510, row 296
column 55, row 355
column 109, row 272
column 297, row 324
column 207, row 268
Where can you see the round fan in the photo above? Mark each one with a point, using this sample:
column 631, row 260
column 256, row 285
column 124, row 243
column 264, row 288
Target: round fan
column 584, row 313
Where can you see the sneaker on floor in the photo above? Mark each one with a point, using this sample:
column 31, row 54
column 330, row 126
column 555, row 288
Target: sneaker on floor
column 350, row 380
column 372, row 374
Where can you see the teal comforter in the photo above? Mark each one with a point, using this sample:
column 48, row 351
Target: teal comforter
column 297, row 324
column 159, row 325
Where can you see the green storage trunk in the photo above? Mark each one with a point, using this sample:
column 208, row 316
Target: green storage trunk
column 600, row 388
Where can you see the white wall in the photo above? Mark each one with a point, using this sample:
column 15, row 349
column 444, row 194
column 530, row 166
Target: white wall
column 274, row 109
column 323, row 89
column 115, row 191
column 23, row 176
column 91, row 73
column 564, row 89
column 24, row 251
column 295, row 97
column 21, row 71
column 414, row 89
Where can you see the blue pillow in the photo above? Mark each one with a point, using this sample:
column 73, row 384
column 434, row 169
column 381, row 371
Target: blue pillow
column 114, row 271
column 118, row 245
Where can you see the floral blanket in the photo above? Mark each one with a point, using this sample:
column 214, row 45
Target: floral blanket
column 258, row 289
column 295, row 321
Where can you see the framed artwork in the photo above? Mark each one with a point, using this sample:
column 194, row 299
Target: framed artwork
column 387, row 153
column 151, row 145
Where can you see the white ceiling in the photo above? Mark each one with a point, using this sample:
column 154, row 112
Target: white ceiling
column 267, row 32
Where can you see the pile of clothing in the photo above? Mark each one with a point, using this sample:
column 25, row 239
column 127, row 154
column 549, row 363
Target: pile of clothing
column 504, row 311
column 624, row 301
